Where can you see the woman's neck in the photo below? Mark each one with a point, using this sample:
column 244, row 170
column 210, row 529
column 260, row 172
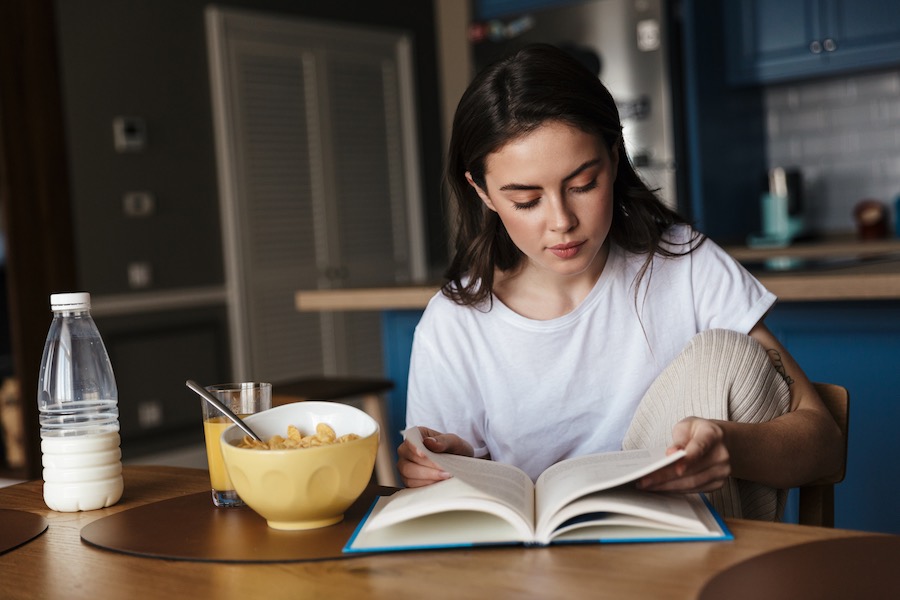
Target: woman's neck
column 540, row 294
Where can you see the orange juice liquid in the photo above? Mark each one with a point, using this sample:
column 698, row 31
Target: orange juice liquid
column 218, row 474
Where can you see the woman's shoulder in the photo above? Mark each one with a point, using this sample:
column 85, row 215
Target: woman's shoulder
column 445, row 321
column 445, row 302
column 678, row 241
column 682, row 238
column 696, row 249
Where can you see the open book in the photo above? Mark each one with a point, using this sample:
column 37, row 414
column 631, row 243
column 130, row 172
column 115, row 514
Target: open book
column 584, row 499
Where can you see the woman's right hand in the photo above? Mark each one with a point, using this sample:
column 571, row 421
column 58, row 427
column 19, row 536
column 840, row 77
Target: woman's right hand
column 416, row 469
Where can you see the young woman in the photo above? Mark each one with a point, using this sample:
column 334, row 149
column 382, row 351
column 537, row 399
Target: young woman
column 571, row 294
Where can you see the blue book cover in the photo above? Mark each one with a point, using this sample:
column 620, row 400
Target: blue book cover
column 587, row 499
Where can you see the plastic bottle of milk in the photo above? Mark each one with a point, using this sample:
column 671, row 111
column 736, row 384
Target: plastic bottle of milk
column 79, row 414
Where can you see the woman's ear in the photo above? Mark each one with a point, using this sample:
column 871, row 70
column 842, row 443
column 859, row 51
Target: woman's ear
column 481, row 193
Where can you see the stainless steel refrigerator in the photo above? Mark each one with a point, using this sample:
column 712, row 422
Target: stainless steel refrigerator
column 626, row 41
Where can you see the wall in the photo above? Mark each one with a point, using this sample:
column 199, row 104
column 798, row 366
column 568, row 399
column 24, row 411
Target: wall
column 723, row 130
column 452, row 19
column 844, row 134
column 148, row 58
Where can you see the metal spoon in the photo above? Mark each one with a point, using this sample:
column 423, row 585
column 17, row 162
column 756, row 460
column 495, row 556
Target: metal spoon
column 201, row 391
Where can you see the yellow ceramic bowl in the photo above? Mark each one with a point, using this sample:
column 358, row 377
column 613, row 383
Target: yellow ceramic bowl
column 303, row 488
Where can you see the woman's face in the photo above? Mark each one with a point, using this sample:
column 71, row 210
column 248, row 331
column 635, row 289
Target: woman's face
column 553, row 190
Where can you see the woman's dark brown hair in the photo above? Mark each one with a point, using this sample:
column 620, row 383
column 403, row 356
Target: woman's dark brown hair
column 509, row 99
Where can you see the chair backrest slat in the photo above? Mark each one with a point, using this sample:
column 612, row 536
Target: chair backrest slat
column 817, row 497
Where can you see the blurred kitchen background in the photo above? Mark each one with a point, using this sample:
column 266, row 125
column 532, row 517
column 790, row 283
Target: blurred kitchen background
column 626, row 44
column 192, row 164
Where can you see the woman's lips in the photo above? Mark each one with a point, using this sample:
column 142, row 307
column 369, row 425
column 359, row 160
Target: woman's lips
column 567, row 250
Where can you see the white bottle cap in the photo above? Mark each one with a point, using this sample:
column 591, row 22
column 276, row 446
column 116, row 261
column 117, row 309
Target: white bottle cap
column 70, row 301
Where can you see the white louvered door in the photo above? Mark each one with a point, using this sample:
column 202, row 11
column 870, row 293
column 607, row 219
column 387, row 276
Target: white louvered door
column 316, row 155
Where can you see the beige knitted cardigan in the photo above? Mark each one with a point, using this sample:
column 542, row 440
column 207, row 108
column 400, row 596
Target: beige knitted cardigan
column 721, row 375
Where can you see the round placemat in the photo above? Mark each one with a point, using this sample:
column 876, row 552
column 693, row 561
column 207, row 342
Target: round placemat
column 191, row 528
column 18, row 527
column 854, row 567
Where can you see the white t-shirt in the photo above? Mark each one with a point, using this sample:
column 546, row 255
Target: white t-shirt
column 531, row 393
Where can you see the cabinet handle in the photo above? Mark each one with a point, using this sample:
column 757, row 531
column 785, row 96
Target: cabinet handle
column 815, row 46
column 829, row 45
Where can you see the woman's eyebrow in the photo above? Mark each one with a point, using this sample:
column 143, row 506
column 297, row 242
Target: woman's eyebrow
column 510, row 187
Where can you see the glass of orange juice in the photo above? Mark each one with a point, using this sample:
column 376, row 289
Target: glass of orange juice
column 243, row 399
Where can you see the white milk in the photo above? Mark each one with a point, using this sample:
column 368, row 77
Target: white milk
column 82, row 472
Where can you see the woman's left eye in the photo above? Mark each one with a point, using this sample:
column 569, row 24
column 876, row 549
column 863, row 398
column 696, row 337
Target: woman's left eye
column 585, row 188
column 525, row 205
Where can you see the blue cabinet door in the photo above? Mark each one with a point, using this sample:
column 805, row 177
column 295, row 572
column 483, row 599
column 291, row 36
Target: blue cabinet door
column 397, row 330
column 856, row 345
column 866, row 33
column 771, row 38
column 778, row 40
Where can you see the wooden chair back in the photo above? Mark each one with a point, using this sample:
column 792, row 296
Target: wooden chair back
column 817, row 498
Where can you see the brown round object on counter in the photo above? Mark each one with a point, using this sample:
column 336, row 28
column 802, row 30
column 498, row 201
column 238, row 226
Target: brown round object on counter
column 871, row 219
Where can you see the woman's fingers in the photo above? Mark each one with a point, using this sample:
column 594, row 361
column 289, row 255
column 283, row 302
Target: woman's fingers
column 705, row 480
column 448, row 443
column 415, row 468
column 705, row 466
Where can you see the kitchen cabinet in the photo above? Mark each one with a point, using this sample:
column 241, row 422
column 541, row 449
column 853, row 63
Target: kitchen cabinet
column 398, row 331
column 769, row 41
column 856, row 345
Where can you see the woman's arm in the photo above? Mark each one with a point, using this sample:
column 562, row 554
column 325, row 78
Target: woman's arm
column 793, row 449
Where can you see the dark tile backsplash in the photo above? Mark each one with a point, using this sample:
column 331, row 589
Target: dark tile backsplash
column 844, row 134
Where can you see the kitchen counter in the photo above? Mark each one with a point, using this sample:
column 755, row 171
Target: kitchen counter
column 838, row 268
column 838, row 245
column 835, row 268
column 875, row 281
column 387, row 298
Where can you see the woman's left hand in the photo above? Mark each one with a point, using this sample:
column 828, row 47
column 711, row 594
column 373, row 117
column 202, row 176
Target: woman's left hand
column 705, row 466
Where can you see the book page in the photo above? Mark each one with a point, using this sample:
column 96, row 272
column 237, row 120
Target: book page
column 504, row 483
column 575, row 477
column 626, row 505
column 452, row 500
column 439, row 530
column 627, row 514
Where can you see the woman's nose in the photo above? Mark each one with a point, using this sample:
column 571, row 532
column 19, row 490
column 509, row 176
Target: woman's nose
column 562, row 218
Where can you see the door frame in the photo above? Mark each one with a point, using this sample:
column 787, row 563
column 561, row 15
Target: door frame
column 34, row 196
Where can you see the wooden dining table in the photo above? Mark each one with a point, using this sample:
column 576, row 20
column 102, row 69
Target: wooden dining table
column 59, row 564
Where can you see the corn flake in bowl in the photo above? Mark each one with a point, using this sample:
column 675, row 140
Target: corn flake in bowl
column 303, row 487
